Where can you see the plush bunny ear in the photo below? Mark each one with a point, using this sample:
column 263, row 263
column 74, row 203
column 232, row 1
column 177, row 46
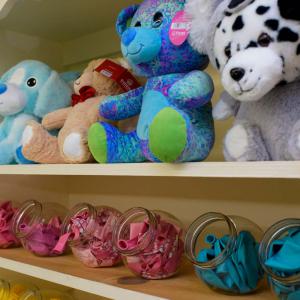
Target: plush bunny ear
column 200, row 12
column 124, row 18
column 237, row 5
column 54, row 94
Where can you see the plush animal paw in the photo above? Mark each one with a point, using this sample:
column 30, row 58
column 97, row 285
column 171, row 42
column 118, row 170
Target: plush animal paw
column 75, row 149
column 222, row 111
column 27, row 135
column 39, row 146
column 97, row 141
column 237, row 143
column 108, row 145
column 294, row 143
column 244, row 143
column 168, row 135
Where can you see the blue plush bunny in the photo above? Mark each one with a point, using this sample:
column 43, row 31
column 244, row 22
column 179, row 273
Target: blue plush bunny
column 175, row 123
column 28, row 91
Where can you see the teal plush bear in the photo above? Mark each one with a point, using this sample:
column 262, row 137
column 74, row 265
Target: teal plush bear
column 175, row 123
column 28, row 91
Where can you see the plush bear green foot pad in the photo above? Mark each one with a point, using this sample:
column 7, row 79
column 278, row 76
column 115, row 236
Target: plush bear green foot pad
column 97, row 141
column 168, row 135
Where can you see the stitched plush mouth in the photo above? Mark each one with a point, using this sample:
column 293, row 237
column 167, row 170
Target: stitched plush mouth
column 249, row 90
column 136, row 52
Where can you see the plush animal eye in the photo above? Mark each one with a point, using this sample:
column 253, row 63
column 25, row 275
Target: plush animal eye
column 157, row 19
column 228, row 51
column 31, row 82
column 138, row 24
column 264, row 40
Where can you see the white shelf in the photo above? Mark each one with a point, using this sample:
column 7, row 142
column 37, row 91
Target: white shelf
column 288, row 170
column 113, row 283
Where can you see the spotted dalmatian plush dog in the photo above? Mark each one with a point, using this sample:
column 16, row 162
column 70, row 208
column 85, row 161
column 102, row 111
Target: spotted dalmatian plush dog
column 255, row 45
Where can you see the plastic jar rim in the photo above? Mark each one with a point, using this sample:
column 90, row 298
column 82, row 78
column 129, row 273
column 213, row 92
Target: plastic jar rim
column 92, row 211
column 272, row 234
column 27, row 206
column 197, row 227
column 124, row 219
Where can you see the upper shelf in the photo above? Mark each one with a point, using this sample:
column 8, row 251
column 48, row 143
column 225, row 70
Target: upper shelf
column 59, row 20
column 289, row 170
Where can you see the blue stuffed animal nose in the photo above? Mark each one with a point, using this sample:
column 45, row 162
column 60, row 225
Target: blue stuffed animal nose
column 3, row 88
column 128, row 36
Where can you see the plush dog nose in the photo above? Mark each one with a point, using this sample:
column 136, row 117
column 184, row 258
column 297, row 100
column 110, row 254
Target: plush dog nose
column 3, row 88
column 237, row 74
column 128, row 36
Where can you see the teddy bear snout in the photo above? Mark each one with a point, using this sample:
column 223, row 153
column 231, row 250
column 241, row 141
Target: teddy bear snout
column 237, row 74
column 3, row 88
column 128, row 36
column 12, row 99
column 252, row 73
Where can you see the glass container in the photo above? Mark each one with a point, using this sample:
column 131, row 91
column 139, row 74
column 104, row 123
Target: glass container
column 224, row 252
column 150, row 242
column 279, row 254
column 89, row 231
column 38, row 227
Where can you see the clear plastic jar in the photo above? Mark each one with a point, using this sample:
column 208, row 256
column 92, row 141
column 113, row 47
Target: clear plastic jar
column 224, row 251
column 7, row 237
column 38, row 227
column 89, row 230
column 46, row 295
column 13, row 290
column 151, row 242
column 279, row 254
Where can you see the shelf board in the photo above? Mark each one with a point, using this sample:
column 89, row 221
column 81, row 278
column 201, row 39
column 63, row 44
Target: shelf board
column 113, row 283
column 289, row 170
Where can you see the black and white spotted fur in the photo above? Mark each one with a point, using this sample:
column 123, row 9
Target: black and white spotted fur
column 255, row 49
column 255, row 45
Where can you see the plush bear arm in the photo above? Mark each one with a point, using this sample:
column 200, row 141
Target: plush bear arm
column 56, row 119
column 123, row 106
column 226, row 107
column 194, row 90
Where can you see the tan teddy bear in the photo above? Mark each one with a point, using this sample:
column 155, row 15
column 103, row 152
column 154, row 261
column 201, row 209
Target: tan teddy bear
column 70, row 146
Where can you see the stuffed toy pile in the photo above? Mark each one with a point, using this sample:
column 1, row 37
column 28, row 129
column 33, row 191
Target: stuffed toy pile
column 28, row 91
column 255, row 46
column 70, row 146
column 175, row 123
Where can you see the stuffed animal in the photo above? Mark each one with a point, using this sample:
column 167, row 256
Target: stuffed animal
column 70, row 146
column 175, row 123
column 256, row 48
column 28, row 91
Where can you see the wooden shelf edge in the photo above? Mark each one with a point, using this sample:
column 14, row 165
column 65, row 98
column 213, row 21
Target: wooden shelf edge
column 114, row 283
column 77, row 283
column 272, row 170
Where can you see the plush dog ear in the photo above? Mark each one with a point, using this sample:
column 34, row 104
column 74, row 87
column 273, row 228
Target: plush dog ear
column 289, row 9
column 54, row 94
column 124, row 18
column 200, row 12
column 237, row 5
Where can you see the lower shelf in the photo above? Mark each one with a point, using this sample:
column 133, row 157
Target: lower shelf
column 113, row 283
